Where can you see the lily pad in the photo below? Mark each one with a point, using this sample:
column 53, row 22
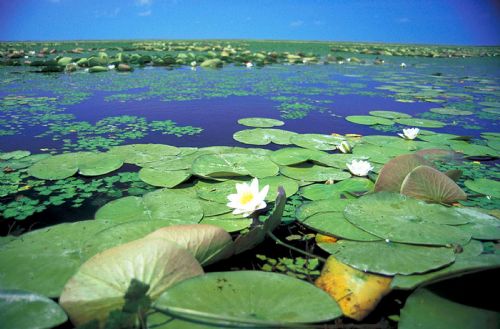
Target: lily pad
column 461, row 266
column 314, row 173
column 394, row 172
column 260, row 122
column 390, row 114
column 484, row 186
column 27, row 310
column 157, row 262
column 234, row 164
column 293, row 155
column 429, row 184
column 163, row 178
column 161, row 204
column 417, row 122
column 317, row 141
column 369, row 120
column 143, row 153
column 207, row 243
column 450, row 111
column 229, row 222
column 326, row 217
column 353, row 185
column 426, row 309
column 46, row 258
column 398, row 218
column 389, row 258
column 251, row 296
column 262, row 136
column 481, row 226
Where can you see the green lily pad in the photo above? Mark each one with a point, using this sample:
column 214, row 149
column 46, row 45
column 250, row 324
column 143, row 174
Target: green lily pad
column 234, row 164
column 354, row 185
column 394, row 172
column 207, row 243
column 390, row 114
column 450, row 111
column 429, row 184
column 369, row 120
column 426, row 309
column 229, row 222
column 163, row 178
column 473, row 150
column 416, row 122
column 119, row 234
column 484, row 186
column 338, row 160
column 252, row 296
column 157, row 262
column 260, row 122
column 143, row 153
column 398, row 218
column 45, row 259
column 461, row 266
column 262, row 136
column 389, row 258
column 313, row 173
column 293, row 155
column 317, row 141
column 490, row 104
column 14, row 155
column 326, row 217
column 65, row 165
column 289, row 185
column 169, row 204
column 481, row 226
column 27, row 310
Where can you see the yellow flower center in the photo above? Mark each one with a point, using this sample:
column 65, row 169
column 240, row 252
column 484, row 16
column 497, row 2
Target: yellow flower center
column 246, row 197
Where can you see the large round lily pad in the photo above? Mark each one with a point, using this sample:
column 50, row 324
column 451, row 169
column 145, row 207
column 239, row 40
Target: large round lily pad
column 207, row 243
column 43, row 260
column 252, row 296
column 234, row 164
column 353, row 185
column 143, row 153
column 484, row 186
column 162, row 204
column 417, row 122
column 263, row 136
column 399, row 218
column 389, row 258
column 163, row 178
column 481, row 226
column 326, row 217
column 317, row 141
column 65, row 165
column 426, row 309
column 26, row 310
column 450, row 111
column 429, row 184
column 260, row 122
column 100, row 284
column 369, row 120
column 314, row 173
column 294, row 155
column 389, row 114
column 394, row 172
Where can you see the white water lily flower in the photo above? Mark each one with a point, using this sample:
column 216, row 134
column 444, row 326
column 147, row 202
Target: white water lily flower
column 249, row 64
column 248, row 199
column 193, row 63
column 111, row 67
column 410, row 133
column 402, row 65
column 359, row 168
column 344, row 147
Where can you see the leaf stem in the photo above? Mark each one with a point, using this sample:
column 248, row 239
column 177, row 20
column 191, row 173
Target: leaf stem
column 284, row 244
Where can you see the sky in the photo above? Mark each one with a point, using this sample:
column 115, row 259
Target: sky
column 459, row 22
